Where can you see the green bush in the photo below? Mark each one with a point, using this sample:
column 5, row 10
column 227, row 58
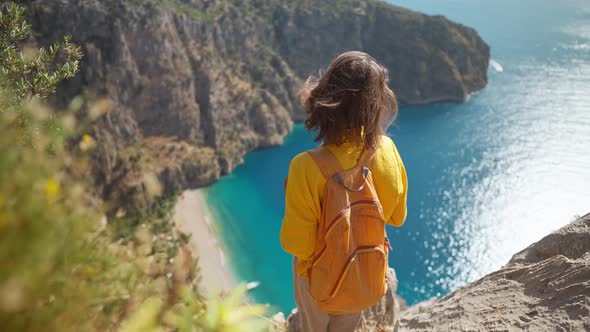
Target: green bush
column 55, row 267
column 59, row 267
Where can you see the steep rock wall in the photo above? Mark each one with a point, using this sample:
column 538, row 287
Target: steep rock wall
column 217, row 79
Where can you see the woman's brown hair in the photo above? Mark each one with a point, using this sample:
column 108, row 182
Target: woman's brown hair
column 350, row 101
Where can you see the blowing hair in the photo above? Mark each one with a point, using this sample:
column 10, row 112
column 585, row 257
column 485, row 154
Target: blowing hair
column 350, row 101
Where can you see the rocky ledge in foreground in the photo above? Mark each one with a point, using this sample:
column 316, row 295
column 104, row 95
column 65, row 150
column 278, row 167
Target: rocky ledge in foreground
column 545, row 287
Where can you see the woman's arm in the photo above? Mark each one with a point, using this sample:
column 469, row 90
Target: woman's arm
column 298, row 231
column 400, row 211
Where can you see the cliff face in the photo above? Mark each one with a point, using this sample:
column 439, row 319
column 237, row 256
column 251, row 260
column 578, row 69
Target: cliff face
column 197, row 84
column 430, row 59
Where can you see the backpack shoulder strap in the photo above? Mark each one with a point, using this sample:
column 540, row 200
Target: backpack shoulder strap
column 326, row 161
column 366, row 158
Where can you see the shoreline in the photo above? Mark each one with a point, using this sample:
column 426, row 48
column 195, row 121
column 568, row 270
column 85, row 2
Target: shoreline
column 192, row 216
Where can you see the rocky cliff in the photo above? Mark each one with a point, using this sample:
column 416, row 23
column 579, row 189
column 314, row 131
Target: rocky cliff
column 196, row 84
column 545, row 287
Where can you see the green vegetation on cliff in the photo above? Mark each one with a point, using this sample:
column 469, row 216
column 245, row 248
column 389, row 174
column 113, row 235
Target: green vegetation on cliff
column 63, row 265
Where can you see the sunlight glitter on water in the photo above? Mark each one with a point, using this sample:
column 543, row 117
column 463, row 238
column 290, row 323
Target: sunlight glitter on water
column 538, row 173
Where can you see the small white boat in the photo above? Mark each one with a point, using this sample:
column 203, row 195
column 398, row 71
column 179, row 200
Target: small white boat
column 252, row 285
column 497, row 67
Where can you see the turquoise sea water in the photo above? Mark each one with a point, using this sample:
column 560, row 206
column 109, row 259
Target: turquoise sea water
column 487, row 177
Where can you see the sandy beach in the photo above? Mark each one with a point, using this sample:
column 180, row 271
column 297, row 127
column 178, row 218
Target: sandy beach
column 192, row 216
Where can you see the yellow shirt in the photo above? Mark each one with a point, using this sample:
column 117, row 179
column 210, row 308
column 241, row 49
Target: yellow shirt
column 305, row 187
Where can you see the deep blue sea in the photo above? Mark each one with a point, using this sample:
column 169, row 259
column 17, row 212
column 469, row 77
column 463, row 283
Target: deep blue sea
column 486, row 177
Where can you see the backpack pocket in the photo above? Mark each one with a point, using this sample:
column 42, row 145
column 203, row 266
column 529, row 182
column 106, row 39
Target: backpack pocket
column 361, row 283
column 328, row 260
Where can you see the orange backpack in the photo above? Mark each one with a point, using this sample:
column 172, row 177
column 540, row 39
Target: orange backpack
column 348, row 272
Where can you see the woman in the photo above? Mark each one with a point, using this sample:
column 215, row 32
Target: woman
column 349, row 107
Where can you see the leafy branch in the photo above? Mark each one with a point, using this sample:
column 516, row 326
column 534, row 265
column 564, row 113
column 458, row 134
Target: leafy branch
column 32, row 73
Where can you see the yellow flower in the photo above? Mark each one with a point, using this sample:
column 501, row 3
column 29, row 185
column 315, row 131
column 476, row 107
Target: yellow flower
column 90, row 271
column 87, row 143
column 52, row 188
